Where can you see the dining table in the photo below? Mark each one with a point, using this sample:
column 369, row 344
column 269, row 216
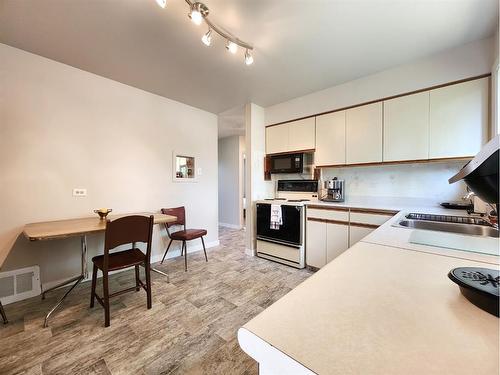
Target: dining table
column 79, row 227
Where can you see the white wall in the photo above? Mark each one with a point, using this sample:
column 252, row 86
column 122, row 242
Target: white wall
column 230, row 181
column 256, row 187
column 466, row 61
column 62, row 128
column 429, row 181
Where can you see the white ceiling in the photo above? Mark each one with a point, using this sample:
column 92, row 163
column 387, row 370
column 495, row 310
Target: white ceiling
column 301, row 46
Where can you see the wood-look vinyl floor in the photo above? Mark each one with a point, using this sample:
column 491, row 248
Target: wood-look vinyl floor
column 191, row 328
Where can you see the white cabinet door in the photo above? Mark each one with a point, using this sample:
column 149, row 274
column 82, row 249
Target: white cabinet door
column 302, row 135
column 277, row 139
column 364, row 134
column 337, row 240
column 459, row 119
column 358, row 233
column 406, row 127
column 316, row 243
column 330, row 139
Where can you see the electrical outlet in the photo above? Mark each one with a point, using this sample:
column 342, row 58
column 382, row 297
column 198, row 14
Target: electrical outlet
column 78, row 192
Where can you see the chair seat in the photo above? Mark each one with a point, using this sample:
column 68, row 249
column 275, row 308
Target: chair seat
column 188, row 234
column 121, row 259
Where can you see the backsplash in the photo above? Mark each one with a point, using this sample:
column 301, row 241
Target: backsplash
column 426, row 180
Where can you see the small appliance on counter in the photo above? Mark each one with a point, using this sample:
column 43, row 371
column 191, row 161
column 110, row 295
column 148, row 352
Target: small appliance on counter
column 481, row 173
column 334, row 190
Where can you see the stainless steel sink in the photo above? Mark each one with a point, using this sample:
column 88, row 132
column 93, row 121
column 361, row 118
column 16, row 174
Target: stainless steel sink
column 452, row 224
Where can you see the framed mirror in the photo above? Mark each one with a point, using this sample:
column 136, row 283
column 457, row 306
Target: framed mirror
column 184, row 167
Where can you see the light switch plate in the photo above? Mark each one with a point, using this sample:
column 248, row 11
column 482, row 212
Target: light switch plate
column 79, row 192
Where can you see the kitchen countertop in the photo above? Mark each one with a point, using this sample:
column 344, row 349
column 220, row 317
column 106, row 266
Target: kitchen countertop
column 384, row 306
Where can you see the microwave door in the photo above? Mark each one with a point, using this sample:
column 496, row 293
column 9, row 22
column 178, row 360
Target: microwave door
column 282, row 164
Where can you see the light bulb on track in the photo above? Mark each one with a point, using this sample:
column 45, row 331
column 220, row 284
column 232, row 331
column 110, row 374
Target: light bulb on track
column 198, row 12
column 161, row 3
column 207, row 38
column 248, row 58
column 232, row 47
column 196, row 17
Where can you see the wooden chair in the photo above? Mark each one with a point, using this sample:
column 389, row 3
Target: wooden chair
column 125, row 230
column 182, row 235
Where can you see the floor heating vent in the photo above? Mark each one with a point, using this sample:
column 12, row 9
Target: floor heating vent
column 20, row 284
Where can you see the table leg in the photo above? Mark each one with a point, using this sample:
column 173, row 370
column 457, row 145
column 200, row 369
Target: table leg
column 154, row 269
column 161, row 273
column 76, row 281
column 2, row 312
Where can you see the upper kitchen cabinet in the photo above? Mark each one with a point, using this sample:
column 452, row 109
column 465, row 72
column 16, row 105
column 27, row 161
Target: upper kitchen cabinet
column 406, row 127
column 364, row 134
column 302, row 135
column 330, row 139
column 459, row 119
column 293, row 136
column 277, row 139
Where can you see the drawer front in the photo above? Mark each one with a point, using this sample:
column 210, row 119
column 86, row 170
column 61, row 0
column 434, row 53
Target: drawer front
column 328, row 214
column 280, row 251
column 370, row 218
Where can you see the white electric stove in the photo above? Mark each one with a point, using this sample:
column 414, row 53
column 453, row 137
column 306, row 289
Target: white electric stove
column 285, row 244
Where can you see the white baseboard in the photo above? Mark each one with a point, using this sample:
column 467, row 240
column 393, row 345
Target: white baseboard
column 232, row 226
column 154, row 259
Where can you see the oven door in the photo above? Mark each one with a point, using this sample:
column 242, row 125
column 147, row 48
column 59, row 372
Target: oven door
column 290, row 233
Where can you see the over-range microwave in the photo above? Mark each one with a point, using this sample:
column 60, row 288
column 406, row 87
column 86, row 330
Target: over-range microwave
column 287, row 163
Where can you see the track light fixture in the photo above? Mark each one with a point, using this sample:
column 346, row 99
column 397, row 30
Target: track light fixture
column 248, row 58
column 198, row 12
column 161, row 3
column 231, row 47
column 207, row 38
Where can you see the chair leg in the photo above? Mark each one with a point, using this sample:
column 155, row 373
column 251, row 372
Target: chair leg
column 147, row 269
column 2, row 312
column 184, row 248
column 105, row 288
column 166, row 251
column 94, row 282
column 204, row 250
column 137, row 285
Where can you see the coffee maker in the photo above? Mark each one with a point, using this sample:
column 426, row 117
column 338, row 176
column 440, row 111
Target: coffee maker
column 335, row 190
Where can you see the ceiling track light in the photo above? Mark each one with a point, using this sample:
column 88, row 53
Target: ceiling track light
column 198, row 12
column 248, row 58
column 231, row 47
column 161, row 3
column 207, row 38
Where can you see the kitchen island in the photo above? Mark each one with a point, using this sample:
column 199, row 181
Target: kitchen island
column 381, row 307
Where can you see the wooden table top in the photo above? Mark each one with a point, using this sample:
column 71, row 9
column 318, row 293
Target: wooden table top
column 76, row 227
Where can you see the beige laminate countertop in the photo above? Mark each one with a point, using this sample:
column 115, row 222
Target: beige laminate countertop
column 383, row 310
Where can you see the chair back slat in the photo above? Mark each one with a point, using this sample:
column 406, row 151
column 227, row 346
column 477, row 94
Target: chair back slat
column 128, row 229
column 178, row 212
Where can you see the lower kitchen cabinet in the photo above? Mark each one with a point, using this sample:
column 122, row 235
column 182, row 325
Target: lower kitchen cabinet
column 357, row 233
column 337, row 240
column 316, row 243
column 325, row 241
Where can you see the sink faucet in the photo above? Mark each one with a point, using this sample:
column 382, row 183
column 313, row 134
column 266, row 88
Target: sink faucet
column 469, row 195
